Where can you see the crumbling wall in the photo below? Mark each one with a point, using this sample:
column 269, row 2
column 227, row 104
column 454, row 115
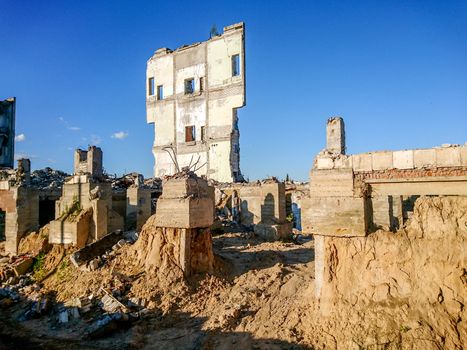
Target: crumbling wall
column 261, row 206
column 206, row 111
column 408, row 287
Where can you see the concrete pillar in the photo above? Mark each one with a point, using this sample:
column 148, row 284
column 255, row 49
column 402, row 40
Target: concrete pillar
column 319, row 264
column 24, row 170
column 335, row 135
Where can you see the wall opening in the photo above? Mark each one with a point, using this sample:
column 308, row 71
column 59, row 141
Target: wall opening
column 190, row 133
column 46, row 211
column 201, row 84
column 160, row 92
column 235, row 65
column 203, row 133
column 151, row 86
column 189, row 86
column 2, row 225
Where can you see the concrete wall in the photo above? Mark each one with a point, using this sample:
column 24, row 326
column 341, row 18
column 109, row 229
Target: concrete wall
column 453, row 156
column 211, row 107
column 352, row 195
column 138, row 207
column 21, row 205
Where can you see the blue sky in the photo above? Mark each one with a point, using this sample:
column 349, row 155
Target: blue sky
column 395, row 70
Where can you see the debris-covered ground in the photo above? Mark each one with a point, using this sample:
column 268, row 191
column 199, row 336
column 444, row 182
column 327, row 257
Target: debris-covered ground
column 261, row 296
column 251, row 301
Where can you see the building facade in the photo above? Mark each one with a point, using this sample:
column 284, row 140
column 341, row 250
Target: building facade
column 192, row 97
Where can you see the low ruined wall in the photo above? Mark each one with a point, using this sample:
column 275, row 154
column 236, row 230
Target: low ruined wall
column 408, row 287
column 453, row 156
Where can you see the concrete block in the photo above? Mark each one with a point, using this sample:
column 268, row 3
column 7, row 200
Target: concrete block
column 343, row 162
column 403, row 159
column 447, row 157
column 75, row 231
column 382, row 160
column 463, row 153
column 185, row 212
column 324, row 163
column 424, row 158
column 338, row 216
column 331, row 183
column 184, row 187
column 22, row 266
column 362, row 162
column 273, row 232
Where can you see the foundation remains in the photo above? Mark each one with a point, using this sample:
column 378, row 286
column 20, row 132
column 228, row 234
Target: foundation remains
column 178, row 235
column 261, row 206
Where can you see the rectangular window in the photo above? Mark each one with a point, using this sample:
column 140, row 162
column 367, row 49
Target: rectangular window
column 160, row 92
column 151, row 86
column 201, row 84
column 189, row 86
column 203, row 133
column 189, row 133
column 235, row 65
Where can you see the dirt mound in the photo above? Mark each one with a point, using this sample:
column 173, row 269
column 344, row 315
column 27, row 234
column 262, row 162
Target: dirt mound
column 35, row 242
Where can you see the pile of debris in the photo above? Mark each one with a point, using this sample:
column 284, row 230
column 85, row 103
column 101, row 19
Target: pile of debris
column 48, row 178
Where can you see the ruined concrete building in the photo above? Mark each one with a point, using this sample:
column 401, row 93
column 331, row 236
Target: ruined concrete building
column 192, row 98
column 356, row 195
column 89, row 208
column 7, row 132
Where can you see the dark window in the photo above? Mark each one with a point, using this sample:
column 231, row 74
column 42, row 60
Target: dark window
column 201, row 84
column 160, row 92
column 203, row 133
column 189, row 133
column 189, row 86
column 151, row 86
column 235, row 65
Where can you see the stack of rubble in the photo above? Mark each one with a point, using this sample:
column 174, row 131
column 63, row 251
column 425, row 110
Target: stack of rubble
column 48, row 178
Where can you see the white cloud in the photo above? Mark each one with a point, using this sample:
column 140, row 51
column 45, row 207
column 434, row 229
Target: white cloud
column 67, row 125
column 95, row 139
column 20, row 138
column 119, row 135
column 24, row 156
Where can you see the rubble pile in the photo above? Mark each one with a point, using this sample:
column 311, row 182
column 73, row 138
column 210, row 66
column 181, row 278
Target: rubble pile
column 48, row 178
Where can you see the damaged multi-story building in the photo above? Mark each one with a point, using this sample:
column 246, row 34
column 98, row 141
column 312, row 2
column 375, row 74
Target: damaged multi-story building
column 193, row 94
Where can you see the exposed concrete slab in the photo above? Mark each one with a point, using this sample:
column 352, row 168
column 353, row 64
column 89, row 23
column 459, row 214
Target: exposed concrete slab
column 424, row 158
column 362, row 162
column 449, row 156
column 403, row 159
column 382, row 160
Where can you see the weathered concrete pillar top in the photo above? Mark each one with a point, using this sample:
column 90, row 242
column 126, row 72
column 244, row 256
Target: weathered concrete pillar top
column 335, row 135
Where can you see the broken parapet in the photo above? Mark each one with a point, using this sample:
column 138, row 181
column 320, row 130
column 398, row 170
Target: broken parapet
column 89, row 162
